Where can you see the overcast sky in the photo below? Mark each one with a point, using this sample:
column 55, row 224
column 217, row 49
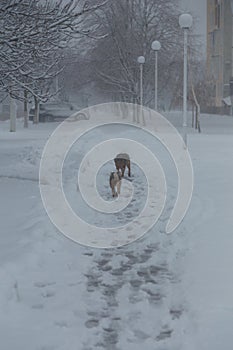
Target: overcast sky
column 198, row 8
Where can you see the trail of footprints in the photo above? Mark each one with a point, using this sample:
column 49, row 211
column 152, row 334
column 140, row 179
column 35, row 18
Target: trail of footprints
column 143, row 281
column 129, row 270
column 132, row 270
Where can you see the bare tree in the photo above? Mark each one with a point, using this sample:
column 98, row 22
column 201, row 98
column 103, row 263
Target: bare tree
column 33, row 35
column 132, row 25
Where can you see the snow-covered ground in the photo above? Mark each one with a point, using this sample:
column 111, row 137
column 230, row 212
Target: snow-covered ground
column 163, row 292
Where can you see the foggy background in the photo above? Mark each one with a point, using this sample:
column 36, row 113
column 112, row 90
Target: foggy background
column 198, row 9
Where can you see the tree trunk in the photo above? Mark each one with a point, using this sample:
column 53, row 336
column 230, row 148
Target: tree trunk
column 12, row 115
column 25, row 109
column 37, row 111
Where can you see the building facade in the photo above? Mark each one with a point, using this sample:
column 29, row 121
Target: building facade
column 219, row 49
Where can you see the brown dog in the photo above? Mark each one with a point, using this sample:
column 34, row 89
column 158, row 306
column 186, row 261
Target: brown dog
column 115, row 183
column 122, row 161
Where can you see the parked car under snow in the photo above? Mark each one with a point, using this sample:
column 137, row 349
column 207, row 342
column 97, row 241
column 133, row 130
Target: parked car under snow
column 54, row 111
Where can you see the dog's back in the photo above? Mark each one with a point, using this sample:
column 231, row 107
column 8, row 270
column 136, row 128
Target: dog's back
column 122, row 157
column 121, row 161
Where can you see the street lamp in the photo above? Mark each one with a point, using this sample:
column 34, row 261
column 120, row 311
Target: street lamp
column 156, row 46
column 185, row 22
column 141, row 61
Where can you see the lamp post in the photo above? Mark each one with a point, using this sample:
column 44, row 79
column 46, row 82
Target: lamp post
column 141, row 61
column 156, row 46
column 185, row 22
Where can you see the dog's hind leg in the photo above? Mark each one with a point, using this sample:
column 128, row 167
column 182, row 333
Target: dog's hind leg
column 129, row 170
column 118, row 187
column 117, row 165
column 113, row 191
column 123, row 170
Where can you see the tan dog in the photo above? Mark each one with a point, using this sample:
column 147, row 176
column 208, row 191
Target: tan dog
column 115, row 183
column 122, row 161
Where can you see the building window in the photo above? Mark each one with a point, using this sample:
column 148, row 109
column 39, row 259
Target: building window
column 217, row 11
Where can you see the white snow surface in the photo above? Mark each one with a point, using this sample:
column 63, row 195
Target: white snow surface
column 162, row 292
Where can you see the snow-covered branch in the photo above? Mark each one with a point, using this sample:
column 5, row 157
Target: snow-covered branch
column 33, row 37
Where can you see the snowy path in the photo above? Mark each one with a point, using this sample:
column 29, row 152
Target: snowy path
column 161, row 292
column 84, row 298
column 78, row 297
